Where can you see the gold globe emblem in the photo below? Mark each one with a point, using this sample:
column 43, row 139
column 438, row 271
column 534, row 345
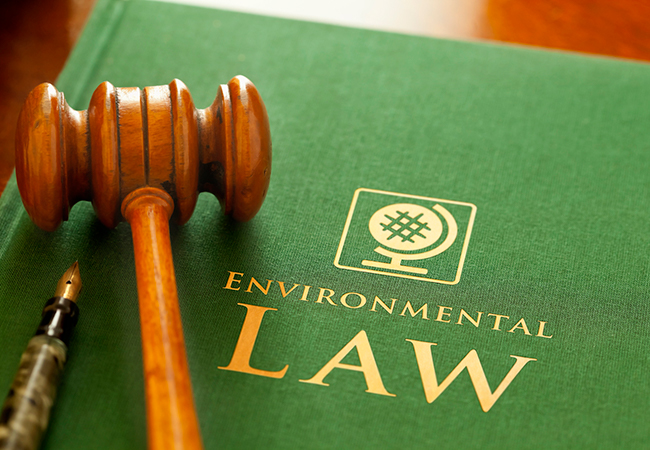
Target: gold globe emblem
column 405, row 227
column 405, row 230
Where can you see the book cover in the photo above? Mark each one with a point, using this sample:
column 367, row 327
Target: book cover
column 453, row 251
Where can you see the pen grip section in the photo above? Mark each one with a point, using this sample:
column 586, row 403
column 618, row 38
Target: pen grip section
column 26, row 410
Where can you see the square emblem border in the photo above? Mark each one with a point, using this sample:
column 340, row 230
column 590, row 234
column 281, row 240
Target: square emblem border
column 468, row 234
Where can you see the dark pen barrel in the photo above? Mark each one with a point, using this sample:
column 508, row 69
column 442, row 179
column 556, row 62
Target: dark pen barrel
column 60, row 316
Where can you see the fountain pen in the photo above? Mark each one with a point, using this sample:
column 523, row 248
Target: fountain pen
column 26, row 410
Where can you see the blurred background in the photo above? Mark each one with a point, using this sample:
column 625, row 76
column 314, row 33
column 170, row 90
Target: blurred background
column 36, row 36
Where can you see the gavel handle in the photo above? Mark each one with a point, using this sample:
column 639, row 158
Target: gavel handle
column 171, row 418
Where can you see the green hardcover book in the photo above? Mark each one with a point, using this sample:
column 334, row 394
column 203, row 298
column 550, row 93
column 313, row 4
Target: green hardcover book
column 454, row 250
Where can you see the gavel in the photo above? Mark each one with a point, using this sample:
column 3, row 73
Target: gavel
column 144, row 156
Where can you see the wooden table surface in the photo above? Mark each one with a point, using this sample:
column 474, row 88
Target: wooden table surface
column 36, row 37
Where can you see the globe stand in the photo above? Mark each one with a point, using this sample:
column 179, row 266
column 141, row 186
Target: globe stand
column 394, row 264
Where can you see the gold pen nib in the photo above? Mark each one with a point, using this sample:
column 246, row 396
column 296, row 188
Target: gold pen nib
column 70, row 283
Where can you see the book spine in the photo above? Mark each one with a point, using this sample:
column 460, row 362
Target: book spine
column 11, row 213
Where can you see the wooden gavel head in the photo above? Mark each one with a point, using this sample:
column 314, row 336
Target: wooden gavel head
column 131, row 138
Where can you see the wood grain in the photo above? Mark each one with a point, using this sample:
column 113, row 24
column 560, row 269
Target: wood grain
column 619, row 28
column 245, row 159
column 171, row 419
column 131, row 138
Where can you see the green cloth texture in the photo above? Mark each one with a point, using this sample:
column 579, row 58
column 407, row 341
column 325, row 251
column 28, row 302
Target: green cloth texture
column 552, row 148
